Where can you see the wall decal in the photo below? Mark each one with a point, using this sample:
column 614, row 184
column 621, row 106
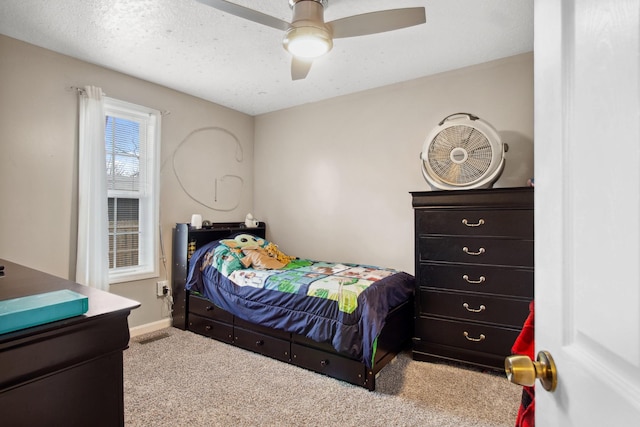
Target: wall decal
column 207, row 165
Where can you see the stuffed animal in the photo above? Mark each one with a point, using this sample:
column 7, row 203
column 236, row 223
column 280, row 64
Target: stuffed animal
column 260, row 259
column 273, row 251
column 244, row 241
column 254, row 254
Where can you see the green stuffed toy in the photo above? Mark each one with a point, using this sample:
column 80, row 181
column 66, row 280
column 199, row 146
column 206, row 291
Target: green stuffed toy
column 244, row 241
column 255, row 255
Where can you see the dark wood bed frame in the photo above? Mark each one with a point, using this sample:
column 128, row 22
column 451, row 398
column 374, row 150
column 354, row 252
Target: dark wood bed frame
column 197, row 314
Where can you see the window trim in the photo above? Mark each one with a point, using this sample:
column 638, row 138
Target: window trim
column 149, row 259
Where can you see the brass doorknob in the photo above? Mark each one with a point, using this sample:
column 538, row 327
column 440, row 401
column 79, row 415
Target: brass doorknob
column 524, row 371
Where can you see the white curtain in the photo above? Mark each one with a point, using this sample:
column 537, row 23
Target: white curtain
column 92, row 262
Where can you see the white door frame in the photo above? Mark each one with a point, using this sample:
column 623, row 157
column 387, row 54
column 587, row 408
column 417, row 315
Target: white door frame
column 587, row 201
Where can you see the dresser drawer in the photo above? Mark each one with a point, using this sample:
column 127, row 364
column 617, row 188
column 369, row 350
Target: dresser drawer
column 210, row 328
column 475, row 337
column 505, row 223
column 473, row 307
column 206, row 308
column 516, row 282
column 476, row 250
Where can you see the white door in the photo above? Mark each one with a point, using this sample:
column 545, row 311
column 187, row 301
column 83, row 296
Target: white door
column 587, row 201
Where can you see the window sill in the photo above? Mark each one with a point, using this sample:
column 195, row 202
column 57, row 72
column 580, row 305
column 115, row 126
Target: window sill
column 131, row 276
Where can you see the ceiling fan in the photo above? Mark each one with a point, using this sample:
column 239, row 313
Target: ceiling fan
column 307, row 36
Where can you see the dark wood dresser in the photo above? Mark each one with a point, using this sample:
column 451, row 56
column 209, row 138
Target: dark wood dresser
column 65, row 373
column 474, row 273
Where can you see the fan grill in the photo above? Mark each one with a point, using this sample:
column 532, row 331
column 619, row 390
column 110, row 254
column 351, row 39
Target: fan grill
column 460, row 155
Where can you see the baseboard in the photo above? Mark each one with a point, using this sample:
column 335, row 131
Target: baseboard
column 149, row 327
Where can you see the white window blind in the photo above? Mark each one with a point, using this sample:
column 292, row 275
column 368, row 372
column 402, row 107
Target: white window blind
column 132, row 146
column 122, row 138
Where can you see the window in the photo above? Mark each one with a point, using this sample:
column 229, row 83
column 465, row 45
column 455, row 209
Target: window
column 132, row 145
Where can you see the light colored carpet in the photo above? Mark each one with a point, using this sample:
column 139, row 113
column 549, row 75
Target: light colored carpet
column 183, row 379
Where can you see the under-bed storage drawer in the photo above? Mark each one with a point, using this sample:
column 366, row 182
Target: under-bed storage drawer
column 264, row 344
column 330, row 364
column 276, row 333
column 211, row 328
column 206, row 308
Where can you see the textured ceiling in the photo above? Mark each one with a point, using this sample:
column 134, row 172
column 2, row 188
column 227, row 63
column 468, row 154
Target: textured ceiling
column 193, row 48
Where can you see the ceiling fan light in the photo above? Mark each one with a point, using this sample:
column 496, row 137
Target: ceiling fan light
column 307, row 42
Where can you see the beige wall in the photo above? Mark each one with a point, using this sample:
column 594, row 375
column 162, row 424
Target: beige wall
column 39, row 155
column 332, row 179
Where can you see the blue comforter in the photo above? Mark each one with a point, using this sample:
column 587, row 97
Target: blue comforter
column 338, row 303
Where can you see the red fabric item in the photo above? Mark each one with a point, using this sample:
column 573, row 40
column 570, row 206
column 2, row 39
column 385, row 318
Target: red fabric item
column 525, row 345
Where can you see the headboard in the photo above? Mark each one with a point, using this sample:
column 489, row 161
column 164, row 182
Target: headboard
column 185, row 240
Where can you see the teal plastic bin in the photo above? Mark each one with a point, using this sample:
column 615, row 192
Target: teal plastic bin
column 33, row 310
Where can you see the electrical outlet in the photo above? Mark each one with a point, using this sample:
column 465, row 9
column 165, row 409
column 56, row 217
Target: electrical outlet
column 162, row 288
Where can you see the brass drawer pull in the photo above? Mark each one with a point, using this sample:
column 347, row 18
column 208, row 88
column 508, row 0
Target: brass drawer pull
column 467, row 251
column 477, row 224
column 480, row 280
column 480, row 338
column 474, row 310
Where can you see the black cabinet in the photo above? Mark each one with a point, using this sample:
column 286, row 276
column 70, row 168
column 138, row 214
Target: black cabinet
column 474, row 273
column 68, row 372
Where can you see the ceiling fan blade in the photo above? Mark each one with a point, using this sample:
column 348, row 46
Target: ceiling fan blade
column 377, row 22
column 246, row 13
column 300, row 68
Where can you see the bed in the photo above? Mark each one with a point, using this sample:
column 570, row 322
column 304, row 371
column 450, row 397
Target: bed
column 343, row 320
